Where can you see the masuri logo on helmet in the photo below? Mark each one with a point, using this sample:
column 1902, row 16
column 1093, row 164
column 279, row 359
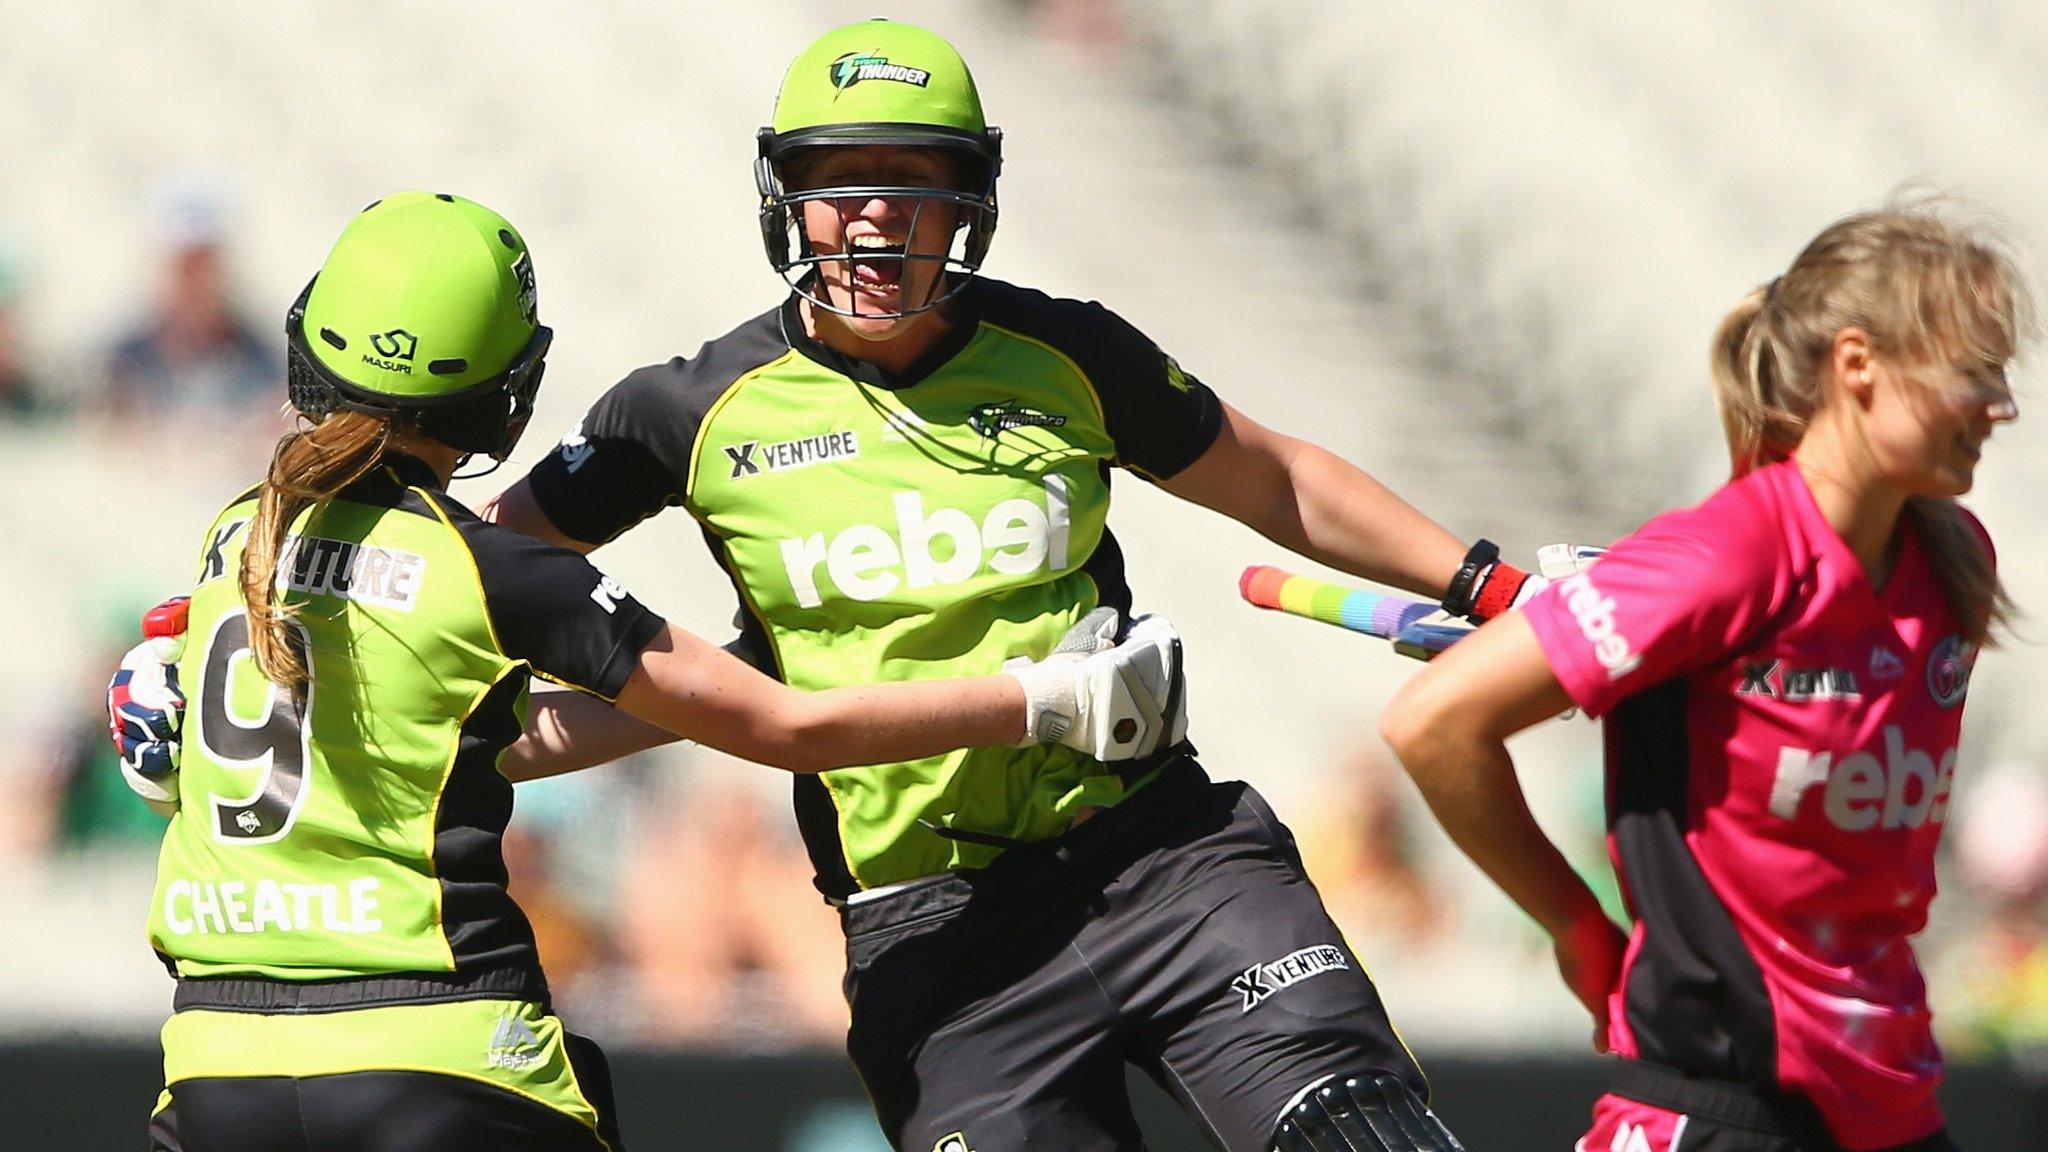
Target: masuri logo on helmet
column 928, row 101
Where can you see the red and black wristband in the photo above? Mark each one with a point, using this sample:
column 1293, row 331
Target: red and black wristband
column 1485, row 586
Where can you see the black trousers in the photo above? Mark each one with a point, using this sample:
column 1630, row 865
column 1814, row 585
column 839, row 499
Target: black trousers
column 995, row 1010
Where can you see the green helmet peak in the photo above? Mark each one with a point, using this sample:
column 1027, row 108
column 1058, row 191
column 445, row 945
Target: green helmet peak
column 426, row 303
column 878, row 83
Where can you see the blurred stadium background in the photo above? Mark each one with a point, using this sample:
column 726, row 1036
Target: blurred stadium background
column 1478, row 248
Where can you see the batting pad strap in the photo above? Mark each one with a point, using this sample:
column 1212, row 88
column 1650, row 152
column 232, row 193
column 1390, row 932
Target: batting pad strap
column 1497, row 591
column 1458, row 597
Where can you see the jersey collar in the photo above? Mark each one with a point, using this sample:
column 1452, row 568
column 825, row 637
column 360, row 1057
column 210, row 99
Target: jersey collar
column 963, row 320
column 392, row 475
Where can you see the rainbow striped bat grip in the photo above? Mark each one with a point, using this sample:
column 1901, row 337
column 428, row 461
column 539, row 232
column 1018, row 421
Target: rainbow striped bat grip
column 1395, row 618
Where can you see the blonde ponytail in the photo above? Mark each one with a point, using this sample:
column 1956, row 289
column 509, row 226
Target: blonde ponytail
column 1761, row 424
column 308, row 468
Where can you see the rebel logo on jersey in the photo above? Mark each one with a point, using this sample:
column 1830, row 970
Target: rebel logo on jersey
column 607, row 595
column 865, row 562
column 576, row 449
column 1909, row 788
column 1594, row 615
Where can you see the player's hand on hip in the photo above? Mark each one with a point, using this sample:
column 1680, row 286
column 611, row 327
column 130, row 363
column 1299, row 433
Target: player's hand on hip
column 146, row 708
column 1113, row 701
column 1589, row 956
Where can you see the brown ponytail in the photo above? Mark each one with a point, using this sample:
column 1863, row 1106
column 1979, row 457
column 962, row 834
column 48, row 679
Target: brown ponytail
column 1932, row 292
column 308, row 468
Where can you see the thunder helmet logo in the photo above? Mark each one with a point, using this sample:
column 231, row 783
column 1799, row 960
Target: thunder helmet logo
column 855, row 67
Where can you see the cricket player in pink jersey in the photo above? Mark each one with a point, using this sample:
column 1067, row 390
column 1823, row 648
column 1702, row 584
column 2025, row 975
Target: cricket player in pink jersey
column 1782, row 672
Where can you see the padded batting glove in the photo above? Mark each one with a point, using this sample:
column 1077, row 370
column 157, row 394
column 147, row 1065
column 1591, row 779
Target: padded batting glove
column 146, row 708
column 1114, row 701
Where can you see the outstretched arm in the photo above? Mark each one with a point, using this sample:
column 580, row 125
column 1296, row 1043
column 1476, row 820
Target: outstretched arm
column 1449, row 726
column 691, row 687
column 1309, row 500
column 568, row 731
column 1113, row 701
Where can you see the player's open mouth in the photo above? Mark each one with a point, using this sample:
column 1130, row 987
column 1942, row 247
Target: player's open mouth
column 876, row 262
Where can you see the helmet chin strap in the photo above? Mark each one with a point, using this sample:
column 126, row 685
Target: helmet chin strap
column 462, row 462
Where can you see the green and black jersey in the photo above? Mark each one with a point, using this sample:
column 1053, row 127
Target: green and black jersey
column 894, row 527
column 353, row 829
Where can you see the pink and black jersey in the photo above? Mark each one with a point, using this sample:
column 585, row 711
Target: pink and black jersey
column 1781, row 744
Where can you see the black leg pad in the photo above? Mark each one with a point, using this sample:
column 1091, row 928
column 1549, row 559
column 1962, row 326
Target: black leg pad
column 1370, row 1112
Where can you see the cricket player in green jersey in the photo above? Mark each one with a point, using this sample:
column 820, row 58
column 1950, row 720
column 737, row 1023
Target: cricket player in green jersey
column 905, row 469
column 331, row 896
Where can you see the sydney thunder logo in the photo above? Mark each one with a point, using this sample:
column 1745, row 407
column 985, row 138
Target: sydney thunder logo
column 992, row 420
column 855, row 67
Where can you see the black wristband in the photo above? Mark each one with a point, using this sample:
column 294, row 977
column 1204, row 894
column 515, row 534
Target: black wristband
column 1458, row 597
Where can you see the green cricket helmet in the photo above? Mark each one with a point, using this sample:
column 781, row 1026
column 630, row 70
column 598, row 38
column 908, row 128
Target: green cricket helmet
column 425, row 307
column 877, row 83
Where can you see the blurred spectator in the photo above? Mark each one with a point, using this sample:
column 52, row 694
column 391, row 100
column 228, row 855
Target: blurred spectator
column 1361, row 849
column 192, row 353
column 22, row 396
column 727, row 941
column 1085, row 24
column 570, row 941
column 1997, row 1004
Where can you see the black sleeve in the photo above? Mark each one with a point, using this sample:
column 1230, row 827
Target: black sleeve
column 628, row 458
column 554, row 610
column 1161, row 417
column 631, row 455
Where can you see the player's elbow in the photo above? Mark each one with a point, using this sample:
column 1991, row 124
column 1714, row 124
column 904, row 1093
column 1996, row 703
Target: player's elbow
column 1416, row 724
column 805, row 737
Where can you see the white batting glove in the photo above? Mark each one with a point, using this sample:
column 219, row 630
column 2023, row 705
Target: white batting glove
column 1557, row 561
column 1113, row 702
